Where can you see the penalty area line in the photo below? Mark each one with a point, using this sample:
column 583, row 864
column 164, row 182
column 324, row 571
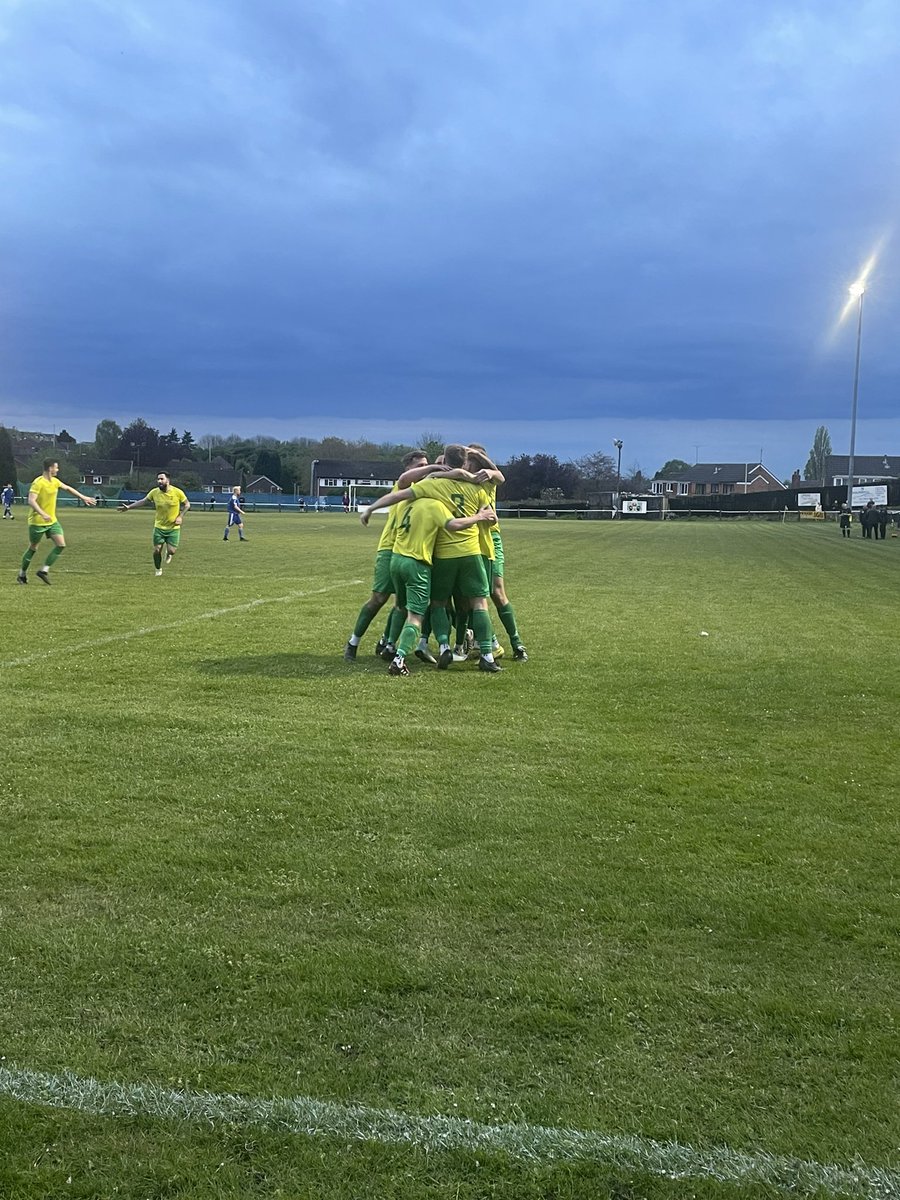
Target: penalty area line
column 145, row 631
column 308, row 1117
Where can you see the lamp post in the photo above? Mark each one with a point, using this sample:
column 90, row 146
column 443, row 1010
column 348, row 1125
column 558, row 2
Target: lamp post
column 857, row 291
column 618, row 445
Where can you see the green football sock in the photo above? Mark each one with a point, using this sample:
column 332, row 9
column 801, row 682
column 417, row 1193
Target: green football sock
column 508, row 617
column 463, row 617
column 408, row 638
column 363, row 621
column 481, row 627
column 440, row 623
column 27, row 557
column 395, row 625
column 54, row 555
column 157, row 557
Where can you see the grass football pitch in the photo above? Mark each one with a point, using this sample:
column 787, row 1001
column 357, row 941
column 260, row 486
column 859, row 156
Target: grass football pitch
column 621, row 921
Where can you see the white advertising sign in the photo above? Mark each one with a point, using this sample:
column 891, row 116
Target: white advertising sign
column 634, row 506
column 876, row 492
column 808, row 499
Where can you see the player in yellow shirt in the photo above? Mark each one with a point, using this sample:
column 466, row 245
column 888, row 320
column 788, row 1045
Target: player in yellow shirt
column 477, row 461
column 419, row 524
column 42, row 520
column 458, row 568
column 416, row 467
column 171, row 504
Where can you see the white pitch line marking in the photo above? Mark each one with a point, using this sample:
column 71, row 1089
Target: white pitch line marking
column 532, row 1143
column 74, row 647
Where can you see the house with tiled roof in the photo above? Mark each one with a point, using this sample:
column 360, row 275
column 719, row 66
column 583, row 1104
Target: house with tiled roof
column 867, row 468
column 718, row 479
column 340, row 473
column 217, row 475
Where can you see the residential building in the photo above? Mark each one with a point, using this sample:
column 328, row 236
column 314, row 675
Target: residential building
column 867, row 468
column 718, row 479
column 262, row 485
column 99, row 472
column 216, row 475
column 331, row 473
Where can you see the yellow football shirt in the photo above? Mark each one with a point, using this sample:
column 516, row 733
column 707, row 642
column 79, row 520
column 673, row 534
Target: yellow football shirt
column 45, row 490
column 418, row 526
column 168, row 505
column 463, row 500
column 485, row 541
column 386, row 541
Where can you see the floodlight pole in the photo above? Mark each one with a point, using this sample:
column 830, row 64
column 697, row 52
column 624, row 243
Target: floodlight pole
column 861, row 293
column 618, row 445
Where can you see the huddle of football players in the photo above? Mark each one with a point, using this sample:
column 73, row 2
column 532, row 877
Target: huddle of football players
column 441, row 556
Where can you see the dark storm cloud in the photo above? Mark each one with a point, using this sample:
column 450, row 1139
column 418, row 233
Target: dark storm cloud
column 583, row 210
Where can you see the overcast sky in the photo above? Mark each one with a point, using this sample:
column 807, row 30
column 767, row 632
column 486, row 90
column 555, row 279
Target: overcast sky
column 547, row 225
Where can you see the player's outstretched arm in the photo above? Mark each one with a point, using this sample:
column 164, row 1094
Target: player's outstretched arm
column 89, row 500
column 137, row 504
column 386, row 501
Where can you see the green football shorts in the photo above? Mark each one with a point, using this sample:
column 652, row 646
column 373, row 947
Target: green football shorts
column 36, row 532
column 412, row 583
column 170, row 536
column 465, row 575
column 382, row 581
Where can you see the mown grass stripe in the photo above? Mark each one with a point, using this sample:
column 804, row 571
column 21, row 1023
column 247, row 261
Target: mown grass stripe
column 146, row 630
column 535, row 1143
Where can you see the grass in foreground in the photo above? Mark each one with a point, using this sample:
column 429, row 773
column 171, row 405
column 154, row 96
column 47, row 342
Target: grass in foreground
column 643, row 884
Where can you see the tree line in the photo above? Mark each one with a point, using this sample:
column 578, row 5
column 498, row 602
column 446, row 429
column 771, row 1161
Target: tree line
column 289, row 463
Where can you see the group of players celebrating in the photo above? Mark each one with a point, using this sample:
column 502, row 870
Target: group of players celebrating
column 441, row 556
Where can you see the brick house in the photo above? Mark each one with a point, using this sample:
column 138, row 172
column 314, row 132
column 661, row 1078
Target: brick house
column 718, row 479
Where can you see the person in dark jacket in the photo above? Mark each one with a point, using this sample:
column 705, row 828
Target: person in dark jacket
column 867, row 519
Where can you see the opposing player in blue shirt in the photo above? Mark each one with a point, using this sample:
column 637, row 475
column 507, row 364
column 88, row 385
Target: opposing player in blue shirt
column 235, row 514
column 8, row 495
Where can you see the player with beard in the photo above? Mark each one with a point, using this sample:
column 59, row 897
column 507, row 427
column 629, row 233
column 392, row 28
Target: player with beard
column 171, row 504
